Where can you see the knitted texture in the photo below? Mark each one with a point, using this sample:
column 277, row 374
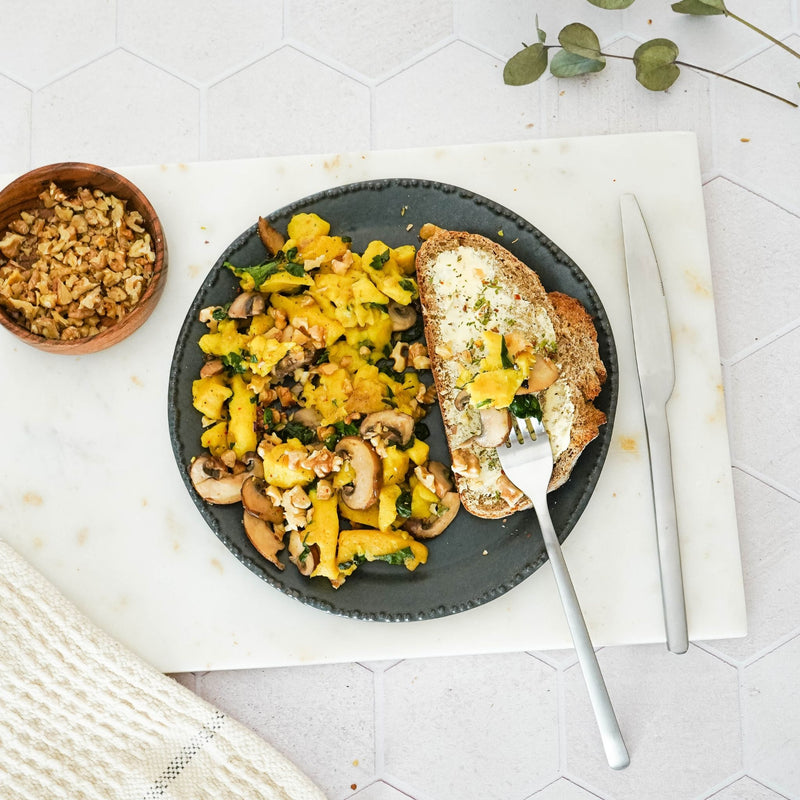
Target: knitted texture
column 83, row 718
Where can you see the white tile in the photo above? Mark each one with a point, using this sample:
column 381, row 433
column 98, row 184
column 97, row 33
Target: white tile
column 320, row 717
column 755, row 277
column 40, row 44
column 463, row 727
column 15, row 126
column 563, row 789
column 770, row 545
column 384, row 34
column 303, row 107
column 223, row 35
column 760, row 419
column 117, row 110
column 679, row 716
column 771, row 719
column 713, row 42
column 414, row 109
column 769, row 160
column 380, row 791
column 612, row 101
column 746, row 789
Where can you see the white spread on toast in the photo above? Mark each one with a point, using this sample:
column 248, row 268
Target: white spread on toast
column 473, row 299
column 466, row 276
column 558, row 411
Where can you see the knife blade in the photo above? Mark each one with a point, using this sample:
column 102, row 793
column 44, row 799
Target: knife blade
column 655, row 365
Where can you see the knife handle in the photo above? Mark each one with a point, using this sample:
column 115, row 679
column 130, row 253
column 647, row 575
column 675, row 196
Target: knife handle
column 669, row 553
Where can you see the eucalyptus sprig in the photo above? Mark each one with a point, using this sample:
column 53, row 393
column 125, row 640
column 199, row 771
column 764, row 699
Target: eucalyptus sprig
column 656, row 61
column 708, row 8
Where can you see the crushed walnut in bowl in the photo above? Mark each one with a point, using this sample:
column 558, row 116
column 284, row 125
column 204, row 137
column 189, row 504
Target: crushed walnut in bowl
column 82, row 258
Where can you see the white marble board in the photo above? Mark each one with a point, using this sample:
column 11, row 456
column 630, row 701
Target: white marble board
column 91, row 494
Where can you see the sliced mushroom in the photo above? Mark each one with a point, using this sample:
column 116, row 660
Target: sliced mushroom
column 434, row 525
column 309, row 417
column 257, row 502
column 461, row 400
column 264, row 538
column 212, row 367
column 216, row 484
column 541, row 375
column 272, row 239
column 402, row 317
column 495, row 427
column 363, row 491
column 294, row 359
column 442, row 479
column 390, row 425
column 247, row 304
column 304, row 557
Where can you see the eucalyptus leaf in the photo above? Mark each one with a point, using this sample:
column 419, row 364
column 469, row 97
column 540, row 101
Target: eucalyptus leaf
column 655, row 64
column 526, row 66
column 539, row 32
column 612, row 4
column 568, row 65
column 702, row 8
column 581, row 40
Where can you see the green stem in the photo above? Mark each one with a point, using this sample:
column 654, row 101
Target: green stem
column 763, row 33
column 718, row 75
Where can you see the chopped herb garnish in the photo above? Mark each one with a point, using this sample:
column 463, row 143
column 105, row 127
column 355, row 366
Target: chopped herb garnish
column 234, row 363
column 403, row 505
column 525, row 405
column 422, row 431
column 379, row 260
column 406, row 284
column 341, row 429
column 396, row 559
column 294, row 430
column 505, row 359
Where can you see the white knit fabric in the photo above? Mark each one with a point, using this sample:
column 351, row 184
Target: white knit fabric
column 82, row 718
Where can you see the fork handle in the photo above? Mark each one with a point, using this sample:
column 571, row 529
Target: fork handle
column 610, row 734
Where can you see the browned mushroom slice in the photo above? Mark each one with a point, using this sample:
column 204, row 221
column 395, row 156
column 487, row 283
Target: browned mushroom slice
column 461, row 400
column 495, row 427
column 272, row 239
column 363, row 491
column 263, row 537
column 247, row 304
column 541, row 375
column 297, row 357
column 434, row 525
column 216, row 484
column 402, row 317
column 304, row 557
column 389, row 425
column 257, row 502
column 442, row 479
column 213, row 367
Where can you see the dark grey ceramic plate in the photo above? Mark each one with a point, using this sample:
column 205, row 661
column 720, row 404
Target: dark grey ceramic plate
column 475, row 560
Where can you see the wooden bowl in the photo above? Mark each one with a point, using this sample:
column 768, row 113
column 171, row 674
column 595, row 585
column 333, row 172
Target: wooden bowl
column 23, row 193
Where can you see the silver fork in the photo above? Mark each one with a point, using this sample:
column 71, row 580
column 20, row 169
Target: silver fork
column 527, row 460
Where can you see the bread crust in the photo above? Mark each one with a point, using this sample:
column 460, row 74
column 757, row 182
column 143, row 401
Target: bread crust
column 576, row 353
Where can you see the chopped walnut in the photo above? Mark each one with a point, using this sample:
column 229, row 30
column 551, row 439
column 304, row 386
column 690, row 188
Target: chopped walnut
column 418, row 356
column 322, row 462
column 465, row 462
column 399, row 356
column 324, row 490
column 508, row 491
column 75, row 265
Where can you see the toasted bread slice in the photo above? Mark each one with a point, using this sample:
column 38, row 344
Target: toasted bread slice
column 468, row 285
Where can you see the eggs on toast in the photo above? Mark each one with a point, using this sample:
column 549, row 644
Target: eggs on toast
column 498, row 340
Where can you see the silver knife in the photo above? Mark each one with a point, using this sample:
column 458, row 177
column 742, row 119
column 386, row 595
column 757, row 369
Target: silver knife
column 652, row 341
